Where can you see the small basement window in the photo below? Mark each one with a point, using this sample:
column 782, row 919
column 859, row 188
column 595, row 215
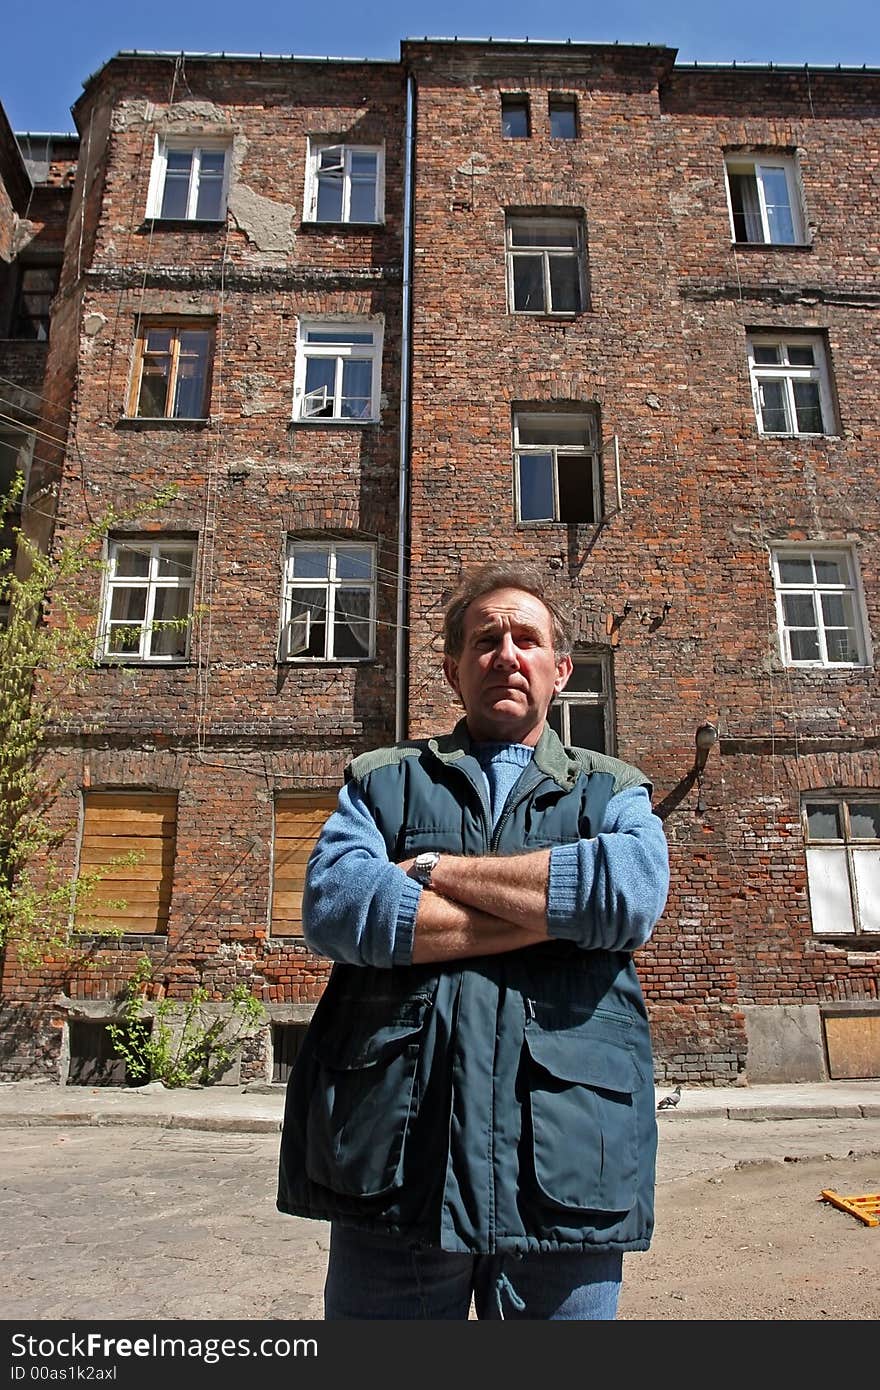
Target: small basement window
column 287, row 1041
column 92, row 1059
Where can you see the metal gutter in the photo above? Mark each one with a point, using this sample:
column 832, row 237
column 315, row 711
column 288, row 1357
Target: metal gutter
column 401, row 645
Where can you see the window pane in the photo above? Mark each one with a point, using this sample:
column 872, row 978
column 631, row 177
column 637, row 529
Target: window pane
column 528, row 283
column 310, row 562
column 175, row 196
column 309, row 607
column 544, row 231
column 174, row 564
column 866, row 867
column 772, row 397
column 209, row 204
column 803, row 645
column 575, row 489
column 587, row 675
column 840, row 627
column 330, row 190
column 766, row 354
column 746, row 207
column 864, row 820
column 192, row 369
column 154, row 390
column 515, row 119
column 354, row 564
column 587, row 726
column 351, row 627
column 331, row 159
column 339, row 336
column 779, row 219
column 798, row 610
column 802, row 356
column 795, row 569
column 807, row 407
column 562, row 120
column 124, row 639
column 554, row 719
column 566, row 431
column 320, row 386
column 536, row 487
column 130, row 562
column 357, row 386
column 362, row 202
column 128, row 605
column 565, row 288
column 171, row 606
column 830, row 571
column 363, row 165
column 830, row 901
column 823, row 820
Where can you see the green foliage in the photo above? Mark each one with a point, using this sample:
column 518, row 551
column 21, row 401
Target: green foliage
column 187, row 1043
column 42, row 662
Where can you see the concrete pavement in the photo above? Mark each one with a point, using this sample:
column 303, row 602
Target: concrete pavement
column 258, row 1108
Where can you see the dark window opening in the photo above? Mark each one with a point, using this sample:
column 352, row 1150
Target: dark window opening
column 92, row 1059
column 287, row 1041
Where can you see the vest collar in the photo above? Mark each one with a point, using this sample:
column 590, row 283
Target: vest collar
column 550, row 755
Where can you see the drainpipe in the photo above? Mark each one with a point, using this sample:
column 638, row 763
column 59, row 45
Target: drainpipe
column 401, row 648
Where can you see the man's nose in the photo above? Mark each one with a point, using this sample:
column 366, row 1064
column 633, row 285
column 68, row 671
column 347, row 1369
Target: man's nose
column 506, row 653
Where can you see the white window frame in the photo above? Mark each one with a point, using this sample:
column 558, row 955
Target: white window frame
column 153, row 583
column 295, row 635
column 788, row 373
column 603, row 700
column 758, row 167
column 842, row 871
column 591, row 457
column 307, row 406
column 546, row 252
column 815, row 590
column 316, row 148
column 195, row 146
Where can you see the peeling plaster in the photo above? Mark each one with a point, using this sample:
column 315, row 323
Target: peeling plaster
column 269, row 225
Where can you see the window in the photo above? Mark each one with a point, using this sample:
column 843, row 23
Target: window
column 345, row 183
column 563, row 118
column 172, row 371
column 299, row 819
column 557, row 466
column 515, row 122
column 188, row 181
column 842, row 835
column 37, row 287
column 581, row 713
column 544, row 265
column 790, row 384
column 128, row 838
column 817, row 608
column 765, row 203
column 148, row 601
column 337, row 371
column 329, row 601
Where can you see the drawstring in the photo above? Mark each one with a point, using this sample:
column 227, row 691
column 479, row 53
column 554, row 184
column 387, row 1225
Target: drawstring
column 503, row 1284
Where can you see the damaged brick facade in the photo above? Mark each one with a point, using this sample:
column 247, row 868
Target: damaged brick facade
column 583, row 273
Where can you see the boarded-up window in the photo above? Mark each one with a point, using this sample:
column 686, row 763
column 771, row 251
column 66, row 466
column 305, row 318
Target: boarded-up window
column 298, row 821
column 129, row 838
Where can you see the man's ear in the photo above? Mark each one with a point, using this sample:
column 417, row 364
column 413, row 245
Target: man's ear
column 450, row 671
column 564, row 668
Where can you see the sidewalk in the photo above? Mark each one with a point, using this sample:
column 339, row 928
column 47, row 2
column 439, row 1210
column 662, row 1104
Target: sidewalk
column 258, row 1108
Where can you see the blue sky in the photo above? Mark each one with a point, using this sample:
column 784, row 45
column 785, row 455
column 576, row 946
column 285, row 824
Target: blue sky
column 49, row 47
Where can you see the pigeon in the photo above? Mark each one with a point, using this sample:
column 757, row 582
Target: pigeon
column 669, row 1102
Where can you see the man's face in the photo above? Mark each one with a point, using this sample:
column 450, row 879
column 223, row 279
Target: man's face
column 507, row 672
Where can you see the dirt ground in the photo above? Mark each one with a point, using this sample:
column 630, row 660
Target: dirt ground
column 757, row 1242
column 102, row 1222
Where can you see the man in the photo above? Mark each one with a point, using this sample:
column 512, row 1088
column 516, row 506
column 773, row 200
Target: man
column 473, row 1106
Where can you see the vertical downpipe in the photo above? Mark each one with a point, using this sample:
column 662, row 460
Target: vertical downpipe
column 401, row 648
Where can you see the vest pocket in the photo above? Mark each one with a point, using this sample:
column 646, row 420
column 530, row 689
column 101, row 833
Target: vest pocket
column 581, row 1082
column 363, row 1099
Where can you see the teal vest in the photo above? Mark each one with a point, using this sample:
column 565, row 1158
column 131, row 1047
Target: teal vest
column 503, row 1103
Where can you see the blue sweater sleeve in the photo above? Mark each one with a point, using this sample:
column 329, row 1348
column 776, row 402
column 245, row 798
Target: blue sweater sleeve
column 357, row 906
column 608, row 893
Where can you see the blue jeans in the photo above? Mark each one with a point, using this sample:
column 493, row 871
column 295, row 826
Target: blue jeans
column 371, row 1277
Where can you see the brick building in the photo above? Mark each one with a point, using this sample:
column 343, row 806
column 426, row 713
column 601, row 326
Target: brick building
column 378, row 321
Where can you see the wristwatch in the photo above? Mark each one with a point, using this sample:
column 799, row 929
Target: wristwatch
column 424, row 865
